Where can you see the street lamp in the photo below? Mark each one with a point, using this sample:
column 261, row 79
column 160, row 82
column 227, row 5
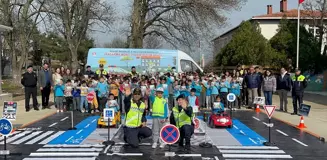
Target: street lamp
column 2, row 29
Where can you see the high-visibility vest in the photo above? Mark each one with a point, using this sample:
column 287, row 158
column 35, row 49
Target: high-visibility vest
column 134, row 115
column 158, row 107
column 181, row 118
column 300, row 78
column 98, row 72
column 134, row 74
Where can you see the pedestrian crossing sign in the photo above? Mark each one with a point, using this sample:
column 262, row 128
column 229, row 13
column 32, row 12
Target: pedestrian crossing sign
column 108, row 113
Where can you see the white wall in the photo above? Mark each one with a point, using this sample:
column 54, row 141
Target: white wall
column 268, row 28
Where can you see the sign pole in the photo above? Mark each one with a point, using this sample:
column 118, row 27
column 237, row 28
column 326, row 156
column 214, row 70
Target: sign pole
column 108, row 142
column 72, row 117
column 6, row 129
column 5, row 146
column 269, row 110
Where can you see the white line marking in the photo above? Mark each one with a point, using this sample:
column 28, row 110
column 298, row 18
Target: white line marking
column 300, row 142
column 83, row 154
column 282, row 132
column 79, row 158
column 69, row 138
column 125, row 154
column 188, row 155
column 216, row 158
column 106, row 150
column 51, row 137
column 247, row 147
column 79, row 131
column 255, row 156
column 265, row 123
column 87, row 125
column 141, row 144
column 13, row 138
column 12, row 134
column 252, row 151
column 235, row 126
column 27, row 137
column 69, row 150
column 256, row 118
column 39, row 137
column 73, row 146
column 64, row 119
column 53, row 124
column 242, row 132
column 253, row 141
column 94, row 120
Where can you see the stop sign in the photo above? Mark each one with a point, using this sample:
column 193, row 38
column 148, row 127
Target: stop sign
column 90, row 97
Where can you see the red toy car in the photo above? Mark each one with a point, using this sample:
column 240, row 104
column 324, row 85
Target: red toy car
column 220, row 120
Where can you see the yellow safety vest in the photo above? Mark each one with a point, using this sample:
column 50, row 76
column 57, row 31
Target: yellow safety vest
column 300, row 78
column 158, row 107
column 181, row 118
column 98, row 72
column 134, row 115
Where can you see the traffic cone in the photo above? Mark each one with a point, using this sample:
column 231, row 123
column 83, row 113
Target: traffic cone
column 257, row 109
column 301, row 125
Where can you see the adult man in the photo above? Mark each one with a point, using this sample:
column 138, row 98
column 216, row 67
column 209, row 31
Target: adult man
column 135, row 127
column 299, row 83
column 257, row 70
column 181, row 116
column 101, row 72
column 45, row 82
column 89, row 72
column 252, row 82
column 133, row 72
column 29, row 81
column 284, row 84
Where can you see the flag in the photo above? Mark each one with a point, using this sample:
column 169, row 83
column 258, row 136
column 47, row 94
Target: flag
column 301, row 1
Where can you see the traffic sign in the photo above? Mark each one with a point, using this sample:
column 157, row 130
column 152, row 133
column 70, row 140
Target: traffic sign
column 9, row 110
column 90, row 97
column 5, row 127
column 196, row 123
column 269, row 110
column 231, row 97
column 108, row 113
column 169, row 134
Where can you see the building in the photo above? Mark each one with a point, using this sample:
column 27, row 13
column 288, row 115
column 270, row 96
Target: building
column 269, row 23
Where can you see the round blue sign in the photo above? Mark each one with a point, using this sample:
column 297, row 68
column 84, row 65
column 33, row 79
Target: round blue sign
column 5, row 127
column 169, row 134
column 231, row 97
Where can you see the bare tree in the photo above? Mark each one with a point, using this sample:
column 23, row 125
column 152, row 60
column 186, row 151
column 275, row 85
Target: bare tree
column 177, row 21
column 152, row 42
column 116, row 43
column 74, row 18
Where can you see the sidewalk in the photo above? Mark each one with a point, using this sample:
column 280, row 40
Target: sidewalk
column 23, row 118
column 317, row 119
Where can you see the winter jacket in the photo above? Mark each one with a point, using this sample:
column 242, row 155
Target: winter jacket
column 252, row 80
column 269, row 84
column 284, row 83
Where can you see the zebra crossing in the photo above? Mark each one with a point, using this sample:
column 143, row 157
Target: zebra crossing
column 66, row 152
column 252, row 152
column 28, row 137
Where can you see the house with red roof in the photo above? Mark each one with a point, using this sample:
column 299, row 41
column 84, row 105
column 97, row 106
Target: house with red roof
column 269, row 23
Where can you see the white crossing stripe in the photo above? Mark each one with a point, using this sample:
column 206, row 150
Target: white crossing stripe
column 247, row 147
column 255, row 156
column 125, row 154
column 70, row 150
column 69, row 154
column 12, row 134
column 251, row 151
column 73, row 146
column 79, row 158
column 189, row 155
column 27, row 137
column 51, row 137
column 34, row 140
column 13, row 138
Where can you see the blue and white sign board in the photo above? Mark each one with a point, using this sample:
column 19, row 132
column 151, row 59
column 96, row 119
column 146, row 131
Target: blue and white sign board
column 9, row 110
column 5, row 127
column 231, row 97
column 169, row 134
column 108, row 113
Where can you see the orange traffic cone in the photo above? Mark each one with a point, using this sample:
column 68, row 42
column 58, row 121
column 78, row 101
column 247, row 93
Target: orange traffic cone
column 257, row 109
column 301, row 125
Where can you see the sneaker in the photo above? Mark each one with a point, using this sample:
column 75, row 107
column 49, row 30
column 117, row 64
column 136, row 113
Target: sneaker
column 58, row 110
column 162, row 145
column 61, row 110
column 97, row 111
column 154, row 145
column 92, row 111
column 82, row 110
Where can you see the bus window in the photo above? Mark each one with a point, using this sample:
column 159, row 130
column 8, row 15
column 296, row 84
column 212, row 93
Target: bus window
column 195, row 68
column 186, row 65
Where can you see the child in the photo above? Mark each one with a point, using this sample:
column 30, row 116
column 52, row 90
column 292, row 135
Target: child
column 84, row 102
column 112, row 103
column 235, row 88
column 68, row 95
column 224, row 87
column 159, row 116
column 102, row 88
column 218, row 106
column 76, row 95
column 59, row 94
column 214, row 90
column 93, row 105
column 193, row 100
column 208, row 93
column 163, row 84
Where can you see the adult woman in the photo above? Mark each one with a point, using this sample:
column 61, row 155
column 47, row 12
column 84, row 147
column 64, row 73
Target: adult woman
column 78, row 73
column 269, row 86
column 67, row 76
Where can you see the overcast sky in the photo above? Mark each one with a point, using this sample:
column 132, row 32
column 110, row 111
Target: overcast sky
column 251, row 8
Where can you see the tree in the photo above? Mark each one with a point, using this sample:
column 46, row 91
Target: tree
column 73, row 19
column 248, row 47
column 152, row 42
column 116, row 43
column 177, row 22
column 126, row 59
column 310, row 54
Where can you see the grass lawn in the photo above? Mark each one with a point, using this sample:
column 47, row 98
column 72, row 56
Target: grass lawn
column 17, row 90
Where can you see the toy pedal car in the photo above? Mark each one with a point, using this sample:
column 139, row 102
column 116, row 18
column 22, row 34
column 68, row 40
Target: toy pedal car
column 220, row 120
column 104, row 122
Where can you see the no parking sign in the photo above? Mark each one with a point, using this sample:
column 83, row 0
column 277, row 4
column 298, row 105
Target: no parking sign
column 169, row 134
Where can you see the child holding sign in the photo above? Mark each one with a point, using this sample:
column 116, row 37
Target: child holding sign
column 218, row 106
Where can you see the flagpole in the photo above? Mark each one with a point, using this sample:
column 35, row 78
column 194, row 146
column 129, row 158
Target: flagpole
column 298, row 37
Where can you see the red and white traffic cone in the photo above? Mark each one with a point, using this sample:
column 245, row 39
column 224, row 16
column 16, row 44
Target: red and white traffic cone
column 301, row 125
column 257, row 109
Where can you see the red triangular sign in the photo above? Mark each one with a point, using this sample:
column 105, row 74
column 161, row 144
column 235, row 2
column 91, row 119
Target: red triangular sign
column 269, row 110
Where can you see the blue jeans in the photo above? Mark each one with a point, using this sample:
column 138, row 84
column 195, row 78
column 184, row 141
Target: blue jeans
column 268, row 97
column 84, row 102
